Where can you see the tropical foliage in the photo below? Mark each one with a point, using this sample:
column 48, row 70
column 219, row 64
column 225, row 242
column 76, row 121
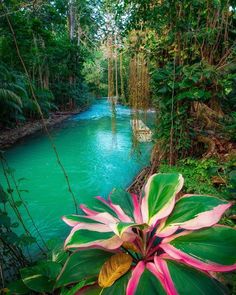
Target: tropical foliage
column 45, row 45
column 177, row 57
column 128, row 243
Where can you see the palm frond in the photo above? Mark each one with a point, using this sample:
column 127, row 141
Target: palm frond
column 7, row 95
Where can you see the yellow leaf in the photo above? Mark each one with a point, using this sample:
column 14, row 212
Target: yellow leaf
column 113, row 269
column 130, row 246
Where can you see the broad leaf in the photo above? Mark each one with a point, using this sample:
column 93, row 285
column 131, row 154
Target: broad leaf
column 211, row 249
column 41, row 278
column 77, row 287
column 94, row 235
column 102, row 206
column 148, row 283
column 122, row 227
column 190, row 281
column 193, row 212
column 113, row 269
column 73, row 220
column 119, row 287
column 159, row 199
column 143, row 281
column 124, row 200
column 118, row 211
column 82, row 265
column 17, row 287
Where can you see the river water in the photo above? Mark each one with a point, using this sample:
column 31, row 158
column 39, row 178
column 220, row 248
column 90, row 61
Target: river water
column 97, row 153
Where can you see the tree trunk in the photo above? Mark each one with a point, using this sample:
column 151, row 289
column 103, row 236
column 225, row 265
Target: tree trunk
column 116, row 68
column 46, row 69
column 38, row 62
column 121, row 78
column 71, row 16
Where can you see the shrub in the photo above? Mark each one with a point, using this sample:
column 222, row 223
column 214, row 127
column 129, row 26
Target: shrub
column 128, row 243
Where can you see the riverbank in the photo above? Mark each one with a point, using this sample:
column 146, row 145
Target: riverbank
column 9, row 136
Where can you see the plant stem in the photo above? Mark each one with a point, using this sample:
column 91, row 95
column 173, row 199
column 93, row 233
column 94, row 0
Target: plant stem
column 126, row 250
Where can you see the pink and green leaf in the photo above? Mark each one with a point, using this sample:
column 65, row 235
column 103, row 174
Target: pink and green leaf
column 87, row 210
column 124, row 200
column 102, row 205
column 92, row 235
column 193, row 212
column 122, row 227
column 73, row 220
column 190, row 281
column 143, row 281
column 129, row 203
column 160, row 193
column 137, row 209
column 135, row 277
column 166, row 279
column 211, row 249
column 100, row 218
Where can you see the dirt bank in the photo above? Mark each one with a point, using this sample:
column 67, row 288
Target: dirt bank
column 10, row 136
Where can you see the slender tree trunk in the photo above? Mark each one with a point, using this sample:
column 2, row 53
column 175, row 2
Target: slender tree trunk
column 38, row 61
column 110, row 70
column 71, row 16
column 79, row 34
column 116, row 68
column 121, row 78
column 46, row 69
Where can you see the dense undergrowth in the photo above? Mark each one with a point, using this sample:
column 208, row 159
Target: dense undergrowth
column 41, row 61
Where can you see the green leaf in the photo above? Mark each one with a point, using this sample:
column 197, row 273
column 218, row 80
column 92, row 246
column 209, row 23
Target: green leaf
column 17, row 287
column 102, row 207
column 160, row 192
column 149, row 284
column 92, row 290
column 187, row 208
column 56, row 251
column 78, row 286
column 190, row 281
column 119, row 287
column 124, row 200
column 195, row 212
column 41, row 277
column 82, row 265
column 215, row 244
column 81, row 237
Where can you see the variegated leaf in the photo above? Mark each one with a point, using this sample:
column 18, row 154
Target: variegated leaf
column 159, row 199
column 193, row 212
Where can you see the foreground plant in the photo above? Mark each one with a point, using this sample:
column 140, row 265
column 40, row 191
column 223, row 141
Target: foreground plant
column 153, row 244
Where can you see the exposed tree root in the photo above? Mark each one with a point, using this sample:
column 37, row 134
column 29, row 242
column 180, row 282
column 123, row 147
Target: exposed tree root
column 210, row 146
column 138, row 183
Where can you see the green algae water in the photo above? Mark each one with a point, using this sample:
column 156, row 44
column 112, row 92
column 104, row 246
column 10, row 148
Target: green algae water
column 96, row 151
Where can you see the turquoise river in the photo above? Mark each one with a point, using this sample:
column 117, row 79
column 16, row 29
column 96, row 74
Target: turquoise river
column 97, row 153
